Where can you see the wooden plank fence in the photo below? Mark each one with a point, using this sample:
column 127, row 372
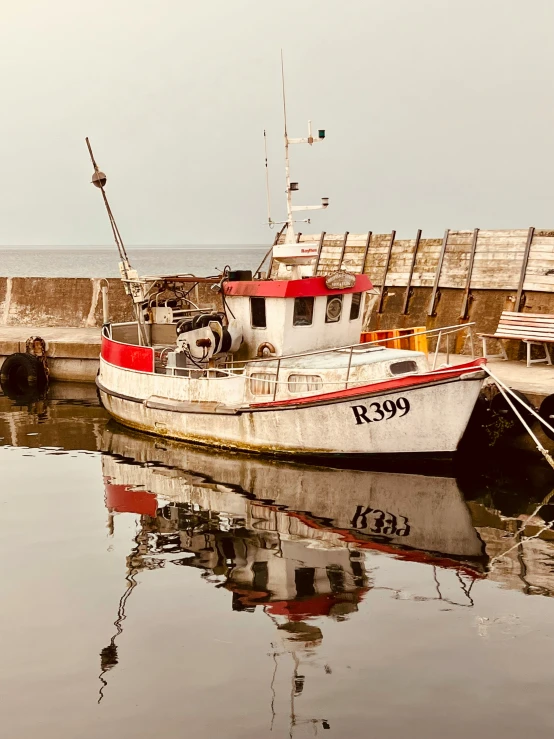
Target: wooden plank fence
column 521, row 260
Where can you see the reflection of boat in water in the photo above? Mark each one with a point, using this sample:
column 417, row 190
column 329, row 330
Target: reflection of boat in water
column 289, row 539
column 422, row 518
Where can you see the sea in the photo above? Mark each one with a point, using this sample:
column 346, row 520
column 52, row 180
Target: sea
column 102, row 261
column 152, row 588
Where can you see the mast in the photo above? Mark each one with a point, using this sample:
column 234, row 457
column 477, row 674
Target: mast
column 129, row 276
column 293, row 186
column 99, row 180
column 290, row 221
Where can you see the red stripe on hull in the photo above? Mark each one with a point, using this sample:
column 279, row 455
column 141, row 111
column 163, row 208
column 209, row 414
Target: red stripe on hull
column 397, row 383
column 127, row 356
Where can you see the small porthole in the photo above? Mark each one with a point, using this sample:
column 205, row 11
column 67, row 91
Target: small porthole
column 406, row 367
column 334, row 309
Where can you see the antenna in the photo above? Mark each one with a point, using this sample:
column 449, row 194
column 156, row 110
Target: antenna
column 284, row 97
column 269, row 219
column 293, row 186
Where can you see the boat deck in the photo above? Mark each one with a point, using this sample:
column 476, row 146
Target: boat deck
column 84, row 344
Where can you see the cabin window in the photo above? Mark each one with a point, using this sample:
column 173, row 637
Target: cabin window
column 405, row 367
column 303, row 312
column 334, row 309
column 355, row 306
column 262, row 383
column 257, row 312
column 304, row 383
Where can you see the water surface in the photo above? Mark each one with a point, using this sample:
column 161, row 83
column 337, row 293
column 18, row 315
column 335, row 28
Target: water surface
column 156, row 588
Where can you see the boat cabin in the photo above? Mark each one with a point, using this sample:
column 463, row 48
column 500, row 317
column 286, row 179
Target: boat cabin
column 282, row 317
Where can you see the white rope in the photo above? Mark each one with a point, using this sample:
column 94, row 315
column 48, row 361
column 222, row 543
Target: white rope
column 523, row 540
column 511, row 392
column 506, row 392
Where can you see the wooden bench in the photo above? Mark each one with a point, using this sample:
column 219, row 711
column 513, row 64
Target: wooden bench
column 531, row 328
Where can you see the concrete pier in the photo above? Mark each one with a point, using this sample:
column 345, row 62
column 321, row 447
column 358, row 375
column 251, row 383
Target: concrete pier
column 536, row 381
column 67, row 314
column 72, row 352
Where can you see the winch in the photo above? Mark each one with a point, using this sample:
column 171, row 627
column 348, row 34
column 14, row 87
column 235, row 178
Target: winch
column 201, row 340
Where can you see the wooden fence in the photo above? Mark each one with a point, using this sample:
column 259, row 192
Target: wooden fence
column 520, row 260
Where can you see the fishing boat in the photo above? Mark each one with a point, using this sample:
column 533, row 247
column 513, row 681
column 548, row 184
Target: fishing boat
column 275, row 363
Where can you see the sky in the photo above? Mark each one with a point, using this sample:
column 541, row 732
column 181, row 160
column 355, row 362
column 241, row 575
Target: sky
column 438, row 113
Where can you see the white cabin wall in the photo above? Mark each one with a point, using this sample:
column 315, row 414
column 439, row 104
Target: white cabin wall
column 321, row 335
column 253, row 337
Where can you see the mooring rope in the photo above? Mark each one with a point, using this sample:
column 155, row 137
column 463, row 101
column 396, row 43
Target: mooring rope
column 506, row 392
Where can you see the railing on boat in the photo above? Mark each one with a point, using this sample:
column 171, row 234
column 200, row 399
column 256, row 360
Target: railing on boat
column 442, row 332
column 233, row 368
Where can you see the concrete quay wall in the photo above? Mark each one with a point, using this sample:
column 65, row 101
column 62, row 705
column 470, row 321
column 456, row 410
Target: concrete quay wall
column 67, row 313
column 70, row 302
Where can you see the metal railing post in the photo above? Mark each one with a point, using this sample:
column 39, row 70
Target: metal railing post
column 349, row 365
column 276, row 379
column 471, row 341
column 439, row 337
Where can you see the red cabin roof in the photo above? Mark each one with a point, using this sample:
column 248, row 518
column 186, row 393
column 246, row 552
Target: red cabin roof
column 309, row 287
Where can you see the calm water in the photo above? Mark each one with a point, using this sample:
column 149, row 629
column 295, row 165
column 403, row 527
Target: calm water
column 151, row 588
column 102, row 261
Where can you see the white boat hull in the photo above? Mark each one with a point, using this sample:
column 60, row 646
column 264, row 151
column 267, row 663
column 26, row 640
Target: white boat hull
column 406, row 419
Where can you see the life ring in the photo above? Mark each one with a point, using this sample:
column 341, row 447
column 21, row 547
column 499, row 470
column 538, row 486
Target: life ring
column 22, row 372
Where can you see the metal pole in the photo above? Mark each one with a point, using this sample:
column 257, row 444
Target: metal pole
column 276, row 379
column 289, row 237
column 343, row 249
column 432, row 306
column 412, row 267
column 465, row 301
column 517, row 304
column 366, row 250
column 105, row 306
column 470, row 326
column 320, row 247
column 383, row 281
column 349, row 365
column 437, row 350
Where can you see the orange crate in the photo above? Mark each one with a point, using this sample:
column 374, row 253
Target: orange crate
column 414, row 343
column 388, row 338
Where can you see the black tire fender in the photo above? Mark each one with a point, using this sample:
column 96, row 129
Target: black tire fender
column 501, row 407
column 546, row 412
column 19, row 372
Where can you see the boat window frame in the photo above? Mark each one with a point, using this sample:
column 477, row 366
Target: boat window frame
column 330, row 298
column 307, row 298
column 359, row 306
column 413, row 362
column 266, row 381
column 306, row 379
column 257, row 298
